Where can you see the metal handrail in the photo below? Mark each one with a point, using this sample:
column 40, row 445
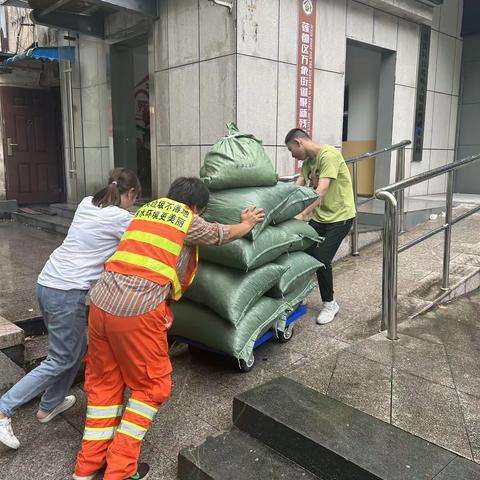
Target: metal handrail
column 391, row 234
column 399, row 175
column 367, row 155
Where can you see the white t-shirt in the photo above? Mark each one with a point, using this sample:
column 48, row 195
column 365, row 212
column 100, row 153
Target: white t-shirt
column 91, row 240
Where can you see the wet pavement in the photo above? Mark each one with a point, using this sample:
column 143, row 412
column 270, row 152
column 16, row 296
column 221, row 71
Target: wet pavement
column 427, row 383
column 23, row 253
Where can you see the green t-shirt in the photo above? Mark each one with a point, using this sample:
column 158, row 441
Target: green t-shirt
column 338, row 203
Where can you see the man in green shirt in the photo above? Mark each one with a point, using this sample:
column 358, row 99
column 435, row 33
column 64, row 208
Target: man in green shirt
column 332, row 214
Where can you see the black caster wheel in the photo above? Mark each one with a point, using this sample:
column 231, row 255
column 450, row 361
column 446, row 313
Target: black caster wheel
column 286, row 335
column 247, row 365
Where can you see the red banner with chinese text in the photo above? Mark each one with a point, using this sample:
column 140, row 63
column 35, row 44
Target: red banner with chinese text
column 305, row 67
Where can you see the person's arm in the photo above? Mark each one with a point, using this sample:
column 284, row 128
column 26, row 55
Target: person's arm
column 300, row 181
column 122, row 223
column 202, row 232
column 322, row 189
column 248, row 219
column 327, row 164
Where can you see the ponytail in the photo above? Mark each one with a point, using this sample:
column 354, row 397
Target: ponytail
column 120, row 181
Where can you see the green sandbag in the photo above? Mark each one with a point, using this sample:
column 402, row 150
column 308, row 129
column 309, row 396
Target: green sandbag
column 226, row 206
column 200, row 324
column 230, row 293
column 245, row 255
column 299, row 201
column 307, row 234
column 299, row 267
column 297, row 296
column 237, row 160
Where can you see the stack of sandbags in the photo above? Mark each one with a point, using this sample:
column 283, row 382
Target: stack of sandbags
column 249, row 286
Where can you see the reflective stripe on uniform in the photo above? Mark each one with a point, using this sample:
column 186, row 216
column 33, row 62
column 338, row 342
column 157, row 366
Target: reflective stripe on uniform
column 149, row 263
column 132, row 430
column 109, row 411
column 141, row 408
column 99, row 433
column 155, row 240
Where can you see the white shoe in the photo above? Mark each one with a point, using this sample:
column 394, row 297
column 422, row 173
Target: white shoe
column 65, row 405
column 329, row 310
column 6, row 434
column 88, row 477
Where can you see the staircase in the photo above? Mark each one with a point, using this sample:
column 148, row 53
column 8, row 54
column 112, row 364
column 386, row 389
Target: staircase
column 55, row 218
column 285, row 430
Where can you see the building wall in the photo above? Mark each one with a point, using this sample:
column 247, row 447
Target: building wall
column 467, row 179
column 442, row 96
column 209, row 67
column 194, row 85
column 91, row 113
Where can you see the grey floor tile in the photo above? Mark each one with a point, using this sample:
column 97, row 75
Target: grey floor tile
column 460, row 469
column 466, row 372
column 423, row 359
column 362, row 384
column 314, row 344
column 316, row 374
column 377, row 348
column 171, row 432
column 471, row 413
column 39, row 445
column 430, row 411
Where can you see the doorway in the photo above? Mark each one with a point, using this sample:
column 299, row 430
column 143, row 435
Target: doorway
column 368, row 110
column 32, row 145
column 130, row 109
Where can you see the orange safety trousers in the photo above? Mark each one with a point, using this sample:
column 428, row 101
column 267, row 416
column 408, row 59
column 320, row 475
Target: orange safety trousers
column 122, row 352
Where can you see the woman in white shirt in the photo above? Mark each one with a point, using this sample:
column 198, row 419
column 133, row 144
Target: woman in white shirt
column 63, row 284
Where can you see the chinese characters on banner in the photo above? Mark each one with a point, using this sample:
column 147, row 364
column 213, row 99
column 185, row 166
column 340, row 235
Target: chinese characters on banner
column 305, row 67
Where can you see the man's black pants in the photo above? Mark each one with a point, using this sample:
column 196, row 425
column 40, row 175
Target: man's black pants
column 334, row 234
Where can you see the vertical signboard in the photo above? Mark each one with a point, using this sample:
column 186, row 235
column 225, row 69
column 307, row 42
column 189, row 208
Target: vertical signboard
column 421, row 100
column 305, row 66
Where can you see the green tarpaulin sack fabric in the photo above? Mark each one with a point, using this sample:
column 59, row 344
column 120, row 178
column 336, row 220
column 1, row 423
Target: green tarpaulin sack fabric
column 299, row 267
column 226, row 206
column 237, row 160
column 298, row 202
column 306, row 234
column 200, row 324
column 297, row 296
column 230, row 293
column 245, row 255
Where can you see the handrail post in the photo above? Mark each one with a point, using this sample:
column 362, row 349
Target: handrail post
column 355, row 222
column 390, row 265
column 385, row 266
column 448, row 232
column 400, row 194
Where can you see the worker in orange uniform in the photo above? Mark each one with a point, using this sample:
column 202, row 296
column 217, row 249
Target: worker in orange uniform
column 155, row 262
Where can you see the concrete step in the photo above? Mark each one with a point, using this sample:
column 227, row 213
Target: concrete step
column 65, row 210
column 12, row 341
column 49, row 223
column 237, row 456
column 7, row 207
column 333, row 440
column 10, row 373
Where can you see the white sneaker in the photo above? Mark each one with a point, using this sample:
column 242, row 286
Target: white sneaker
column 329, row 310
column 88, row 477
column 44, row 417
column 6, row 434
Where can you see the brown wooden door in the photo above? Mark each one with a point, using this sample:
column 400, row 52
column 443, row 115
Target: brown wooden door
column 32, row 145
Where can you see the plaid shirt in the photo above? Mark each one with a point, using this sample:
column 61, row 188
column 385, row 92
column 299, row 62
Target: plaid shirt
column 128, row 295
